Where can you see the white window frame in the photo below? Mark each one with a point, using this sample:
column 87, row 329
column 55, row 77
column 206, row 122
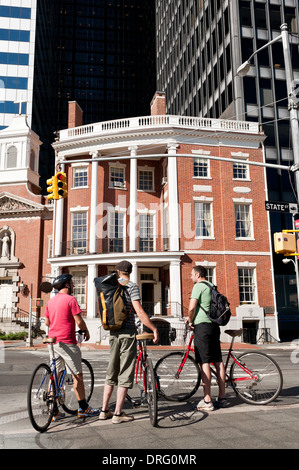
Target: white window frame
column 115, row 184
column 149, row 170
column 209, row 202
column 205, row 162
column 75, row 167
column 111, row 212
column 75, row 211
column 245, row 203
column 81, row 297
column 152, row 214
column 253, row 286
column 241, row 156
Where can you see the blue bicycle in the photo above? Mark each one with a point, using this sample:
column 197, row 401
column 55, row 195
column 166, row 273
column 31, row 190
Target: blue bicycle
column 48, row 387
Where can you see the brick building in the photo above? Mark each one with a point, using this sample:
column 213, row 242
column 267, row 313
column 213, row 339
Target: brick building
column 151, row 190
column 26, row 222
column 143, row 189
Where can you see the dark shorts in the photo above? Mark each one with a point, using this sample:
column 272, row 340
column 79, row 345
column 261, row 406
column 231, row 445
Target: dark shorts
column 207, row 343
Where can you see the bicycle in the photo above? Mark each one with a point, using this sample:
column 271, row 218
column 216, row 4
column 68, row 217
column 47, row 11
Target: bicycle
column 254, row 376
column 48, row 387
column 144, row 389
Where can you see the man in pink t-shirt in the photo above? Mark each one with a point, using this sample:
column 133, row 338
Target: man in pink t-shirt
column 62, row 314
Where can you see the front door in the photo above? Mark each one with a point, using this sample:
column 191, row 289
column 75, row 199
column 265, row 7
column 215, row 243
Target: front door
column 6, row 295
column 150, row 288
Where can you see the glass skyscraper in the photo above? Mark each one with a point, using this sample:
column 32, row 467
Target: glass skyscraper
column 100, row 53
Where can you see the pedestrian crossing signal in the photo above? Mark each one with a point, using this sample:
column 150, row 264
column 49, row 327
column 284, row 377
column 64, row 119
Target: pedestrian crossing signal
column 52, row 188
column 62, row 184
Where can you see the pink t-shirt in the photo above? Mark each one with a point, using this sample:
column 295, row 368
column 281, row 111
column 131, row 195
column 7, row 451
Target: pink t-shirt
column 61, row 310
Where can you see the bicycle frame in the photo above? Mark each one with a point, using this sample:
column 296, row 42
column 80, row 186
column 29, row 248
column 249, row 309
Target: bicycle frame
column 187, row 352
column 141, row 357
column 230, row 355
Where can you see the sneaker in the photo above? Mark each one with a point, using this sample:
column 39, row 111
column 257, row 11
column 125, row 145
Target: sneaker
column 106, row 414
column 88, row 412
column 122, row 418
column 203, row 405
column 221, row 403
column 57, row 416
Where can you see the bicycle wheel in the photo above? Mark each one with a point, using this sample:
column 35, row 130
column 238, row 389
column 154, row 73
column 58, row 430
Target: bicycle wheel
column 151, row 392
column 175, row 384
column 257, row 380
column 68, row 398
column 136, row 395
column 41, row 398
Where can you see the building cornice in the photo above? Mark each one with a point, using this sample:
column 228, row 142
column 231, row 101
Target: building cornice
column 214, row 130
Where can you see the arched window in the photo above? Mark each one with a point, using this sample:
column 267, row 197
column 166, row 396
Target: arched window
column 11, row 157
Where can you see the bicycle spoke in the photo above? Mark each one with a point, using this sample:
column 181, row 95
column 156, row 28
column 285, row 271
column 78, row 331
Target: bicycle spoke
column 151, row 392
column 258, row 379
column 41, row 398
column 69, row 400
column 177, row 381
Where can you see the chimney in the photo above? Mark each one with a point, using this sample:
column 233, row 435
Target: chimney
column 158, row 104
column 75, row 117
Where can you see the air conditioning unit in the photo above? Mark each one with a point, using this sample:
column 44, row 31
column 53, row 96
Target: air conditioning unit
column 79, row 251
column 118, row 184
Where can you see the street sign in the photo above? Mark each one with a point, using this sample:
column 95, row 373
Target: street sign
column 281, row 207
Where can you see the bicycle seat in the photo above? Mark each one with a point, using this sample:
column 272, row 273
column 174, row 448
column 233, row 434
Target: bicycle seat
column 145, row 336
column 49, row 340
column 234, row 333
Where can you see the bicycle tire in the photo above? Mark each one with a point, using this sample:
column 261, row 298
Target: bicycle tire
column 268, row 381
column 136, row 395
column 68, row 399
column 171, row 387
column 40, row 402
column 151, row 393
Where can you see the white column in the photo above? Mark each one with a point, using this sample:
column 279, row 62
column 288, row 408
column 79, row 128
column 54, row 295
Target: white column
column 174, row 222
column 133, row 198
column 93, row 205
column 55, row 271
column 91, row 292
column 175, row 287
column 134, row 273
column 58, row 238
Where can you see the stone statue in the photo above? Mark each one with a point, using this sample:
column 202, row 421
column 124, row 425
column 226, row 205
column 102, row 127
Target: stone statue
column 5, row 246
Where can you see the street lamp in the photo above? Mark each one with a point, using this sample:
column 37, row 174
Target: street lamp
column 292, row 105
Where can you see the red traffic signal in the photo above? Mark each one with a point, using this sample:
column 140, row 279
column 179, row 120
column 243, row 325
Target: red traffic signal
column 62, row 184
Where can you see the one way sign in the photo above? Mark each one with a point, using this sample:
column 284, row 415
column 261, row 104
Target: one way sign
column 281, row 207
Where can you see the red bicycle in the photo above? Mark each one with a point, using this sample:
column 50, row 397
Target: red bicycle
column 255, row 377
column 144, row 391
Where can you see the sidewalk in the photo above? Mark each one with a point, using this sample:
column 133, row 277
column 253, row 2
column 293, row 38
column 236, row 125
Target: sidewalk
column 38, row 344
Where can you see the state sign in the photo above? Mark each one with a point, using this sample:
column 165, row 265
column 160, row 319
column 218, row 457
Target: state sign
column 277, row 206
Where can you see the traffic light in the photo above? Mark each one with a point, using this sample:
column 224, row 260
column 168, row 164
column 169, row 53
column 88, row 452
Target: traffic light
column 284, row 243
column 62, row 184
column 53, row 188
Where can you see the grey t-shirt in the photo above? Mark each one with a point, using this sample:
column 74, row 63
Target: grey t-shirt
column 131, row 292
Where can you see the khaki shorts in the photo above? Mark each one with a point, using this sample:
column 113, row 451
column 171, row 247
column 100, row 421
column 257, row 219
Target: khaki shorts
column 68, row 355
column 123, row 352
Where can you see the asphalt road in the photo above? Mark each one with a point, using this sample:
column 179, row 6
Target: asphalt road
column 181, row 428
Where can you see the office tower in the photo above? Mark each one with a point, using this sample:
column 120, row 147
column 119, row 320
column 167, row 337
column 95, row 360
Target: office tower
column 98, row 53
column 105, row 58
column 17, row 33
column 201, row 44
